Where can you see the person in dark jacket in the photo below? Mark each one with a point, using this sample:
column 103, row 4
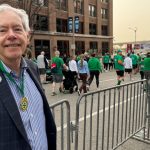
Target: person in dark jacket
column 26, row 122
column 95, row 68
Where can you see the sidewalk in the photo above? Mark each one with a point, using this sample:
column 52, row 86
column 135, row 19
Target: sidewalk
column 133, row 144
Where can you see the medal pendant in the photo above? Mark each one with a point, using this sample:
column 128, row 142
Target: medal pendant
column 24, row 104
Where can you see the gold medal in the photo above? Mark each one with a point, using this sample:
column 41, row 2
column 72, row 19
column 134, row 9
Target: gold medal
column 24, row 104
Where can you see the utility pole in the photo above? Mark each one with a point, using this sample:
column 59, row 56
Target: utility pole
column 135, row 30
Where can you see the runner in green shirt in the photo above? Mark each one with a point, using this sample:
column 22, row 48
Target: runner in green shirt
column 59, row 63
column 134, row 62
column 95, row 68
column 141, row 67
column 147, row 72
column 119, row 67
column 57, row 75
column 147, row 62
column 106, row 61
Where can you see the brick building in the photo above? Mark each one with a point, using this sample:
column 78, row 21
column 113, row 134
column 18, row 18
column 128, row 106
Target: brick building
column 71, row 26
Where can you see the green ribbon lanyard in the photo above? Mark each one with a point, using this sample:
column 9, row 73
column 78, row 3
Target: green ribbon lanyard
column 21, row 87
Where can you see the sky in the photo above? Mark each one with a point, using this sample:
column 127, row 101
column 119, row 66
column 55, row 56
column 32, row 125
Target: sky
column 133, row 14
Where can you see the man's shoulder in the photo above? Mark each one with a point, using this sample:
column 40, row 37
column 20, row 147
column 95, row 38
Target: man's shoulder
column 40, row 56
column 30, row 63
column 128, row 58
column 56, row 58
column 147, row 59
column 119, row 56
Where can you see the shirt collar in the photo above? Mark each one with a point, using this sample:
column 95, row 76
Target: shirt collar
column 23, row 67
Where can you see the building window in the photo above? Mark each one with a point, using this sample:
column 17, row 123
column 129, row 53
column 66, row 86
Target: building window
column 92, row 29
column 80, row 47
column 61, row 25
column 63, row 47
column 104, row 13
column 78, row 6
column 41, row 2
column 93, row 45
column 61, row 4
column 42, row 45
column 105, row 47
column 41, row 23
column 104, row 30
column 92, row 10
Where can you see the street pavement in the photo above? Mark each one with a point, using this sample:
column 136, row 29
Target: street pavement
column 107, row 79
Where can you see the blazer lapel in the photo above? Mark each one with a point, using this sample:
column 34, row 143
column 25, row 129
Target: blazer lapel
column 36, row 80
column 11, row 106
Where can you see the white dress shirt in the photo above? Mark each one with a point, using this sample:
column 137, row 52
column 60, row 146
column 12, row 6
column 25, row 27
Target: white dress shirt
column 73, row 65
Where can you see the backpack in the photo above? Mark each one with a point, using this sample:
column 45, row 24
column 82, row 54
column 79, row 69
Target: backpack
column 53, row 67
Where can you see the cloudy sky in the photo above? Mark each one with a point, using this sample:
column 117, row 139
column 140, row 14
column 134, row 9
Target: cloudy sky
column 131, row 14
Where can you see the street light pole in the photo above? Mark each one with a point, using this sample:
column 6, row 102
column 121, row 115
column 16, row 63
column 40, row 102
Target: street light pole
column 135, row 30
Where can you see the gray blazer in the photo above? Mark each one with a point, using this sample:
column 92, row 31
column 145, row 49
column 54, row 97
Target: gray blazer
column 12, row 132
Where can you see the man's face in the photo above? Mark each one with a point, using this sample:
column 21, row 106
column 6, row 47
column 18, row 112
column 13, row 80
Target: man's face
column 13, row 37
column 120, row 53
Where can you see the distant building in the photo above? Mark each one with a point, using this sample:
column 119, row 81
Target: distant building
column 54, row 28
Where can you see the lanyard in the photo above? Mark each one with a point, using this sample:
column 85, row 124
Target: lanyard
column 21, row 86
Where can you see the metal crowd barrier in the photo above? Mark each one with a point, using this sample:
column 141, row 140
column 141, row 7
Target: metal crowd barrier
column 147, row 76
column 61, row 114
column 107, row 118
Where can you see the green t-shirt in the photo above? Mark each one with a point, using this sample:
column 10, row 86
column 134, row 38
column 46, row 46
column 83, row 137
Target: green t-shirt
column 94, row 64
column 117, row 65
column 147, row 64
column 115, row 59
column 134, row 59
column 78, row 58
column 139, row 58
column 106, row 59
column 141, row 63
column 59, row 63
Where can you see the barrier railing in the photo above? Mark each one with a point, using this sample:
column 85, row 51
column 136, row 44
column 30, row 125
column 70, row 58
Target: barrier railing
column 107, row 118
column 61, row 114
column 147, row 129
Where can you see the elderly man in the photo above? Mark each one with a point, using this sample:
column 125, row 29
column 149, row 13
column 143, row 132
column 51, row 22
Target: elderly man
column 57, row 74
column 42, row 65
column 26, row 122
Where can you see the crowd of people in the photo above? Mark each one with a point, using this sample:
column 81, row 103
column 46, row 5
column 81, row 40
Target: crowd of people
column 87, row 66
column 80, row 68
column 131, row 64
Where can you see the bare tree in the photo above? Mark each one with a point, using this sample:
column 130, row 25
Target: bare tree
column 32, row 7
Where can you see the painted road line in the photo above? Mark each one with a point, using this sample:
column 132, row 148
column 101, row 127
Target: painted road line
column 95, row 113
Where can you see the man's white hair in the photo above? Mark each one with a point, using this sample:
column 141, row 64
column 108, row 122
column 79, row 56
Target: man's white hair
column 20, row 12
